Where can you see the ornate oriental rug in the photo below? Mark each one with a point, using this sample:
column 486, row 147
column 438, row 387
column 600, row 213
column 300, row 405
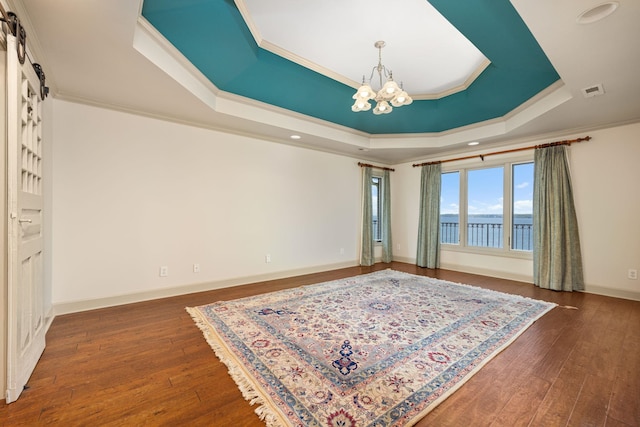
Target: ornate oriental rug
column 381, row 349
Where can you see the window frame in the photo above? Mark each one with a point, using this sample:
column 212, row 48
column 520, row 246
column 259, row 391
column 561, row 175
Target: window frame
column 507, row 206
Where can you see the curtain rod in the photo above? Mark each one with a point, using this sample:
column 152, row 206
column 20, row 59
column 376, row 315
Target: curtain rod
column 482, row 156
column 4, row 14
column 366, row 165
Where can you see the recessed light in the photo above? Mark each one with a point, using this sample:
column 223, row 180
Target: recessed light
column 597, row 13
column 363, row 149
column 473, row 143
column 295, row 137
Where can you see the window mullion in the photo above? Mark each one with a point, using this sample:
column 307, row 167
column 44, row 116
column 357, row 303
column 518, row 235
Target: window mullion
column 507, row 207
column 462, row 219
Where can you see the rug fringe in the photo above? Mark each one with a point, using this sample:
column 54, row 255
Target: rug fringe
column 245, row 385
column 570, row 307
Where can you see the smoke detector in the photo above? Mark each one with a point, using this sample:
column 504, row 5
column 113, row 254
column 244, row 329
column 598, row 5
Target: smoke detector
column 591, row 91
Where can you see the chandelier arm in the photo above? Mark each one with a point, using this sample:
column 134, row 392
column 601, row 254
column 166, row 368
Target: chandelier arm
column 373, row 70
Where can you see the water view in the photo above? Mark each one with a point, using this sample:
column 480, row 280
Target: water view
column 487, row 230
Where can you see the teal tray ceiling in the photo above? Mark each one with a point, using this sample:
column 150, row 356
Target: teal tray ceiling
column 213, row 36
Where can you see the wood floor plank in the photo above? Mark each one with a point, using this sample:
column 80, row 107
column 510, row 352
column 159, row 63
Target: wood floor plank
column 551, row 364
column 148, row 364
column 600, row 357
column 523, row 404
column 592, row 403
column 625, row 398
column 612, row 422
column 557, row 406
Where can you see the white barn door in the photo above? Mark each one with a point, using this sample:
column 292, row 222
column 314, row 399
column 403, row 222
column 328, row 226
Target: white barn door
column 25, row 302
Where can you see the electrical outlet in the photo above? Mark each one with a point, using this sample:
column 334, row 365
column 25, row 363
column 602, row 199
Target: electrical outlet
column 267, row 258
column 196, row 268
column 341, row 251
column 164, row 271
column 632, row 274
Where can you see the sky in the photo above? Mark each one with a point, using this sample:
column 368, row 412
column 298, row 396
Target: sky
column 485, row 191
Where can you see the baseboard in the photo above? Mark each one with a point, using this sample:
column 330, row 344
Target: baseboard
column 92, row 304
column 473, row 270
column 489, row 272
column 609, row 292
column 84, row 305
column 406, row 260
column 590, row 289
column 48, row 319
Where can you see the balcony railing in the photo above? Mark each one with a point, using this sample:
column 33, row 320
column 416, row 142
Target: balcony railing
column 488, row 235
column 377, row 232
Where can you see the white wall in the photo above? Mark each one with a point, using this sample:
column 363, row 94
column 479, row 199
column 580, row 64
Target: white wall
column 605, row 178
column 132, row 194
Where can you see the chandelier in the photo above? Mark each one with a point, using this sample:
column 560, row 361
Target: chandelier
column 389, row 93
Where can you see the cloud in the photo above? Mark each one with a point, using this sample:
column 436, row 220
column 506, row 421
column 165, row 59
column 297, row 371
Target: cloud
column 451, row 208
column 522, row 185
column 482, row 208
column 523, row 206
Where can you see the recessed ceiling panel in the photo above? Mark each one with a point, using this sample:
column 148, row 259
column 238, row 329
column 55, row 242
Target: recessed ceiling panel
column 214, row 37
column 336, row 38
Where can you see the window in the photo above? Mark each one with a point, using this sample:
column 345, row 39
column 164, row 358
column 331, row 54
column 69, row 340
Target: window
column 376, row 209
column 522, row 207
column 450, row 208
column 485, row 195
column 489, row 208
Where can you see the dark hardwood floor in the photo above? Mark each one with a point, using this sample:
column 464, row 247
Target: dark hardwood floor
column 148, row 364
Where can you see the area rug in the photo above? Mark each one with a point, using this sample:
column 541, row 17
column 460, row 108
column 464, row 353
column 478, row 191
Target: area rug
column 381, row 349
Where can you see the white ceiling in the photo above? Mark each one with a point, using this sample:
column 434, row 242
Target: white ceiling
column 326, row 42
column 87, row 51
